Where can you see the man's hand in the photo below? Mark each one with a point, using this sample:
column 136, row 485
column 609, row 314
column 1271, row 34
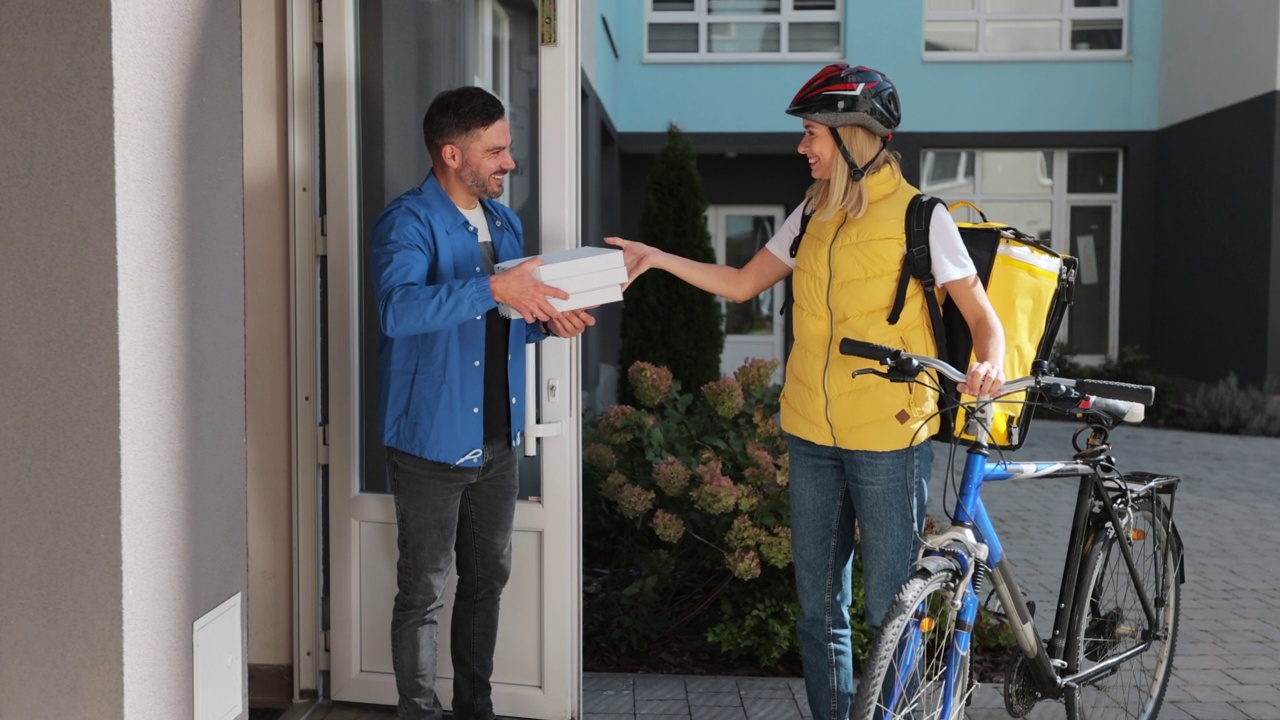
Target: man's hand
column 518, row 289
column 571, row 323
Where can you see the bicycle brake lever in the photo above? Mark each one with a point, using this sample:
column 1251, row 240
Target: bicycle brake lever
column 871, row 371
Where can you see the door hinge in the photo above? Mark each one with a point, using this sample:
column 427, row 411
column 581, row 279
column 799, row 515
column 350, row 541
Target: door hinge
column 322, row 445
column 548, row 23
column 322, row 236
column 317, row 22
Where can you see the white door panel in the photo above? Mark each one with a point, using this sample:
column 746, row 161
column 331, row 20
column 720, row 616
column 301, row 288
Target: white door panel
column 518, row 659
column 537, row 665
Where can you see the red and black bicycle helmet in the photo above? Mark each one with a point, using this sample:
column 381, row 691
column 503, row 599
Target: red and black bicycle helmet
column 841, row 95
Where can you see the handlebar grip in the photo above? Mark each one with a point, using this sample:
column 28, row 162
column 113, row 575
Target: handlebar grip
column 1130, row 412
column 870, row 351
column 1144, row 394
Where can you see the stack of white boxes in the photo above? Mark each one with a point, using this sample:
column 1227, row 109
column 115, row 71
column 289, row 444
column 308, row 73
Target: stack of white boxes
column 591, row 275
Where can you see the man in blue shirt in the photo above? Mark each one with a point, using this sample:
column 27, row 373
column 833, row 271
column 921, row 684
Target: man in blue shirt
column 451, row 400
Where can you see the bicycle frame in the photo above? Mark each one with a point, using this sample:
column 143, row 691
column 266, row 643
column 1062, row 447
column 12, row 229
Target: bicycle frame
column 972, row 537
column 972, row 547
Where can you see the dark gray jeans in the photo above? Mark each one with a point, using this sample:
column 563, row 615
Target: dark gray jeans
column 440, row 509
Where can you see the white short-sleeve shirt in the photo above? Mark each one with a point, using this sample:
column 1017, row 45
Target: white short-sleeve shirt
column 948, row 258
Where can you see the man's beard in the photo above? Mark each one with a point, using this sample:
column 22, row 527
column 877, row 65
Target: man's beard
column 479, row 184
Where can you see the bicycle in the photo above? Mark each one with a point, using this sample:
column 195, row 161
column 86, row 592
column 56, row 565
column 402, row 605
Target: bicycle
column 1115, row 628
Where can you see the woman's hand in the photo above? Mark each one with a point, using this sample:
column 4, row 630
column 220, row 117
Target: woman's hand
column 982, row 380
column 638, row 257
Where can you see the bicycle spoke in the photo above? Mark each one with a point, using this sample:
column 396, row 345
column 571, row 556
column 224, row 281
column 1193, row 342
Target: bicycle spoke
column 909, row 665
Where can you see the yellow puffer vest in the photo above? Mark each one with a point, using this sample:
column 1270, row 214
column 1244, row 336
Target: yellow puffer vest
column 845, row 278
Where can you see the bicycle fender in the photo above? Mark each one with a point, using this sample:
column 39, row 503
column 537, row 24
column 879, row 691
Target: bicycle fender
column 933, row 564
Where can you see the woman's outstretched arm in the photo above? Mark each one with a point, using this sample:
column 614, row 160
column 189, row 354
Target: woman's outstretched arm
column 738, row 285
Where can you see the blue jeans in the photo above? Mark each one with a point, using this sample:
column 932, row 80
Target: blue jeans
column 440, row 509
column 831, row 488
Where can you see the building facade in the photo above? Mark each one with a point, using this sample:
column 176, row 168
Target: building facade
column 1137, row 135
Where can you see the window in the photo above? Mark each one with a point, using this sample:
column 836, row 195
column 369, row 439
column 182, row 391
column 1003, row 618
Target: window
column 1021, row 29
column 1069, row 199
column 734, row 30
column 494, row 65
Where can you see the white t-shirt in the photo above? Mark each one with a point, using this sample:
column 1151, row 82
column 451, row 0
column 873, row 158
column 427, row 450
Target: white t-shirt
column 947, row 256
column 476, row 217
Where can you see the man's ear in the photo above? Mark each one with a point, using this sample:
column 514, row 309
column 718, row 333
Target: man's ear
column 451, row 155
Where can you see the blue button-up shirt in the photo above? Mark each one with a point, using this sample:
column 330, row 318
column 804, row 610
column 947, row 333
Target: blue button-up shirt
column 433, row 293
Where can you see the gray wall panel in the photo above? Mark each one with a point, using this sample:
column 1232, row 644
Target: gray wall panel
column 1216, row 54
column 1215, row 180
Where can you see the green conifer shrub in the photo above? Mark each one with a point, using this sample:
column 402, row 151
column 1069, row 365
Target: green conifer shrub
column 666, row 321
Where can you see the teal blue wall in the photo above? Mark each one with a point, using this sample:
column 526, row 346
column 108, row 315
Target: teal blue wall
column 1024, row 96
column 605, row 77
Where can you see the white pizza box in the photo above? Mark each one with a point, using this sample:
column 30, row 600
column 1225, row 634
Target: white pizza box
column 591, row 275
column 574, row 261
column 588, row 298
column 590, row 281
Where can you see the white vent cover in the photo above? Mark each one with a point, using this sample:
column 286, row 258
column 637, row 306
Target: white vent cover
column 218, row 668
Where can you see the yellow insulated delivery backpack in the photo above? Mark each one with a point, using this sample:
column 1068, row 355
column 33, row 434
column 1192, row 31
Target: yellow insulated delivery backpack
column 1030, row 287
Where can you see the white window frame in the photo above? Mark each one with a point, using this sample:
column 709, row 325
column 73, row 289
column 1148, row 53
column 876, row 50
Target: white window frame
column 1067, row 15
column 1060, row 218
column 702, row 17
column 493, row 22
column 714, row 217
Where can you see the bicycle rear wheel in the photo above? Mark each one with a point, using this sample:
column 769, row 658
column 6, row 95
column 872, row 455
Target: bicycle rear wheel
column 907, row 669
column 1109, row 620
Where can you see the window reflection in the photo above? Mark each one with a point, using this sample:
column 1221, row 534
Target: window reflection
column 1024, row 172
column 744, row 37
column 745, row 235
column 948, row 173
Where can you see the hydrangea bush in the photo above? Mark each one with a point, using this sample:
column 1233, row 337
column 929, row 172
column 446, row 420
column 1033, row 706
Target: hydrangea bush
column 689, row 492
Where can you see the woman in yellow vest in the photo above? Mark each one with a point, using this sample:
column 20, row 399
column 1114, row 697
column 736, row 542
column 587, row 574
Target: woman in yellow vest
column 857, row 447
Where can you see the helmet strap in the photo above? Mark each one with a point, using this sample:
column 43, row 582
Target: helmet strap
column 856, row 173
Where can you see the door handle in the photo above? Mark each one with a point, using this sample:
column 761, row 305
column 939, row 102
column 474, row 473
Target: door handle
column 534, row 430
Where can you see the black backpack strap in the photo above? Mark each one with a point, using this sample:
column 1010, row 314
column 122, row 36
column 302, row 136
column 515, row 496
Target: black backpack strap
column 917, row 262
column 805, row 216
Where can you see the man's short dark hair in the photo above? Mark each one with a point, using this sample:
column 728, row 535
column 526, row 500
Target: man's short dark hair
column 454, row 114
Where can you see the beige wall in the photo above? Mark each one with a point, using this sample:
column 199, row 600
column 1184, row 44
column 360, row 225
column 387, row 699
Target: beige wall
column 267, row 332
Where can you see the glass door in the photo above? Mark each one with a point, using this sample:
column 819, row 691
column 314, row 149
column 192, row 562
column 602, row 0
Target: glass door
column 382, row 65
column 1090, row 330
column 752, row 329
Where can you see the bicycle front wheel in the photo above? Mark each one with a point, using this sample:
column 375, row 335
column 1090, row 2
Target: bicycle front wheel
column 913, row 670
column 1109, row 619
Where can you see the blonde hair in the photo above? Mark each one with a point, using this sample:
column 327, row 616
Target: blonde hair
column 839, row 194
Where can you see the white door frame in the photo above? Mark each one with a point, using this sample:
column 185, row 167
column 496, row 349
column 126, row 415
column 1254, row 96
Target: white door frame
column 306, row 246
column 556, row 518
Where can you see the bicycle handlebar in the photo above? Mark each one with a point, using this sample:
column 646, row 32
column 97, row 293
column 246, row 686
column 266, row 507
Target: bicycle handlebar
column 1127, row 392
column 1123, row 401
